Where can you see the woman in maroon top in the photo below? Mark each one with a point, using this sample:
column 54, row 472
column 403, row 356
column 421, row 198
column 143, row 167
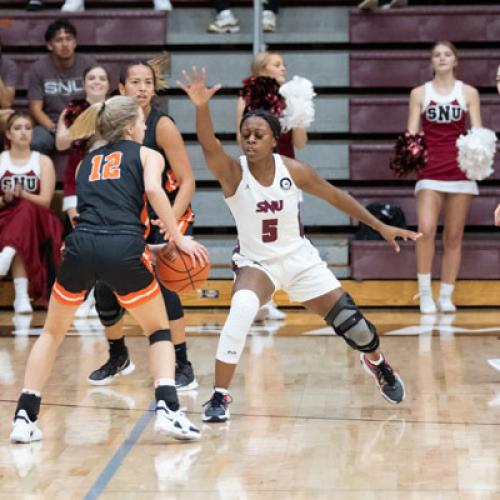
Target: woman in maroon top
column 271, row 65
column 96, row 85
column 30, row 233
column 440, row 107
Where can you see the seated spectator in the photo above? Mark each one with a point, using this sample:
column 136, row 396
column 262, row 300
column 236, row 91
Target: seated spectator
column 226, row 22
column 79, row 5
column 385, row 4
column 30, row 233
column 8, row 76
column 53, row 81
column 96, row 86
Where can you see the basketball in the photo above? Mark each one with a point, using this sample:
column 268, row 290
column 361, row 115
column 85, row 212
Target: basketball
column 178, row 273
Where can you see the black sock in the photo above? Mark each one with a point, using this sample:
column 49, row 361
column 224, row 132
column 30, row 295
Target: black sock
column 168, row 394
column 181, row 357
column 30, row 404
column 117, row 348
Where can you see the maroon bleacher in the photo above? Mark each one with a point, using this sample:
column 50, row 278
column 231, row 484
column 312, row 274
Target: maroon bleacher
column 409, row 68
column 370, row 162
column 95, row 27
column 480, row 213
column 377, row 260
column 390, row 114
column 426, row 24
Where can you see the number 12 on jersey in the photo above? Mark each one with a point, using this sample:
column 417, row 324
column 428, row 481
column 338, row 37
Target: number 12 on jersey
column 269, row 230
column 106, row 167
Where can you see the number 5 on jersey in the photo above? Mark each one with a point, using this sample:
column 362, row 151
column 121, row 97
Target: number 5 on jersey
column 106, row 167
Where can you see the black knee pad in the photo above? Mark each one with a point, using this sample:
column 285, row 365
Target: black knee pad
column 173, row 303
column 349, row 323
column 159, row 336
column 108, row 308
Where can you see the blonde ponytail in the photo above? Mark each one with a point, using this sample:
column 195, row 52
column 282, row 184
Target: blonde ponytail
column 86, row 123
column 106, row 121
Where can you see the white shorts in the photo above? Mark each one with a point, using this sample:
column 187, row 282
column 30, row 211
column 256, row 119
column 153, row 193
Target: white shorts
column 457, row 187
column 303, row 275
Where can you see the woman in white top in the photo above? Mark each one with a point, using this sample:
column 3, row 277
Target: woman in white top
column 263, row 192
column 441, row 107
column 30, row 233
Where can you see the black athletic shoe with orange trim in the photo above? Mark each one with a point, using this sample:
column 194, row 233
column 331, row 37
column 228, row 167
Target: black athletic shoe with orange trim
column 388, row 381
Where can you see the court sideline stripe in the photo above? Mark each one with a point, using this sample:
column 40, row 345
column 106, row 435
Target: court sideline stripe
column 117, row 459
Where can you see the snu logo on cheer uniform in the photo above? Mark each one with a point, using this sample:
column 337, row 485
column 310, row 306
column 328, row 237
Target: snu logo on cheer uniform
column 444, row 113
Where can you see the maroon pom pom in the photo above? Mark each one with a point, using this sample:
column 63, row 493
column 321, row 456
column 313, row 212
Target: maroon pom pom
column 72, row 111
column 262, row 92
column 410, row 154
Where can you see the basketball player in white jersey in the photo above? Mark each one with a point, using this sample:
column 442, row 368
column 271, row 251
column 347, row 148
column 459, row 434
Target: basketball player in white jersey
column 263, row 191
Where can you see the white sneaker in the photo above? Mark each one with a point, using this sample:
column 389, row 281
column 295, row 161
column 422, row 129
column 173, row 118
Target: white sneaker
column 5, row 262
column 24, row 430
column 368, row 4
column 162, row 5
column 87, row 308
column 445, row 305
column 495, row 363
column 268, row 21
column 73, row 6
column 273, row 312
column 427, row 304
column 22, row 305
column 269, row 311
column 225, row 22
column 174, row 423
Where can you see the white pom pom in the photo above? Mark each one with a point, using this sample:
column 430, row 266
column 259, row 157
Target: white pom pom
column 476, row 152
column 299, row 111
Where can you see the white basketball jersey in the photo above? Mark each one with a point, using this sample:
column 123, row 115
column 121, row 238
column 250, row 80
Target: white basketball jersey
column 267, row 217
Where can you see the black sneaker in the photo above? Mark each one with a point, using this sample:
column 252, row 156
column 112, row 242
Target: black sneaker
column 184, row 377
column 388, row 381
column 216, row 409
column 113, row 367
column 34, row 5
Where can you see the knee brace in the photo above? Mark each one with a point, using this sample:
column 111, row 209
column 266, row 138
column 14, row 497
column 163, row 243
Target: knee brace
column 173, row 304
column 348, row 322
column 159, row 336
column 244, row 307
column 108, row 308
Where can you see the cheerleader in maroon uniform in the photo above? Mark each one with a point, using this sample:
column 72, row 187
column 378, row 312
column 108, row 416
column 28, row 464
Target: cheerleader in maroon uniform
column 441, row 107
column 30, row 233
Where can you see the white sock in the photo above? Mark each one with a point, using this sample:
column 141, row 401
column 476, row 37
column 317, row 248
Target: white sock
column 164, row 381
column 38, row 394
column 446, row 290
column 21, row 287
column 424, row 282
column 221, row 390
column 6, row 256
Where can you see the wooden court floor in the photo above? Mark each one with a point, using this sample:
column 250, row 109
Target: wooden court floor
column 306, row 421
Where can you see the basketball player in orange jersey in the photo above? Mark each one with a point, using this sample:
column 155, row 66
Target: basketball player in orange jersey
column 440, row 107
column 263, row 191
column 140, row 81
column 108, row 244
